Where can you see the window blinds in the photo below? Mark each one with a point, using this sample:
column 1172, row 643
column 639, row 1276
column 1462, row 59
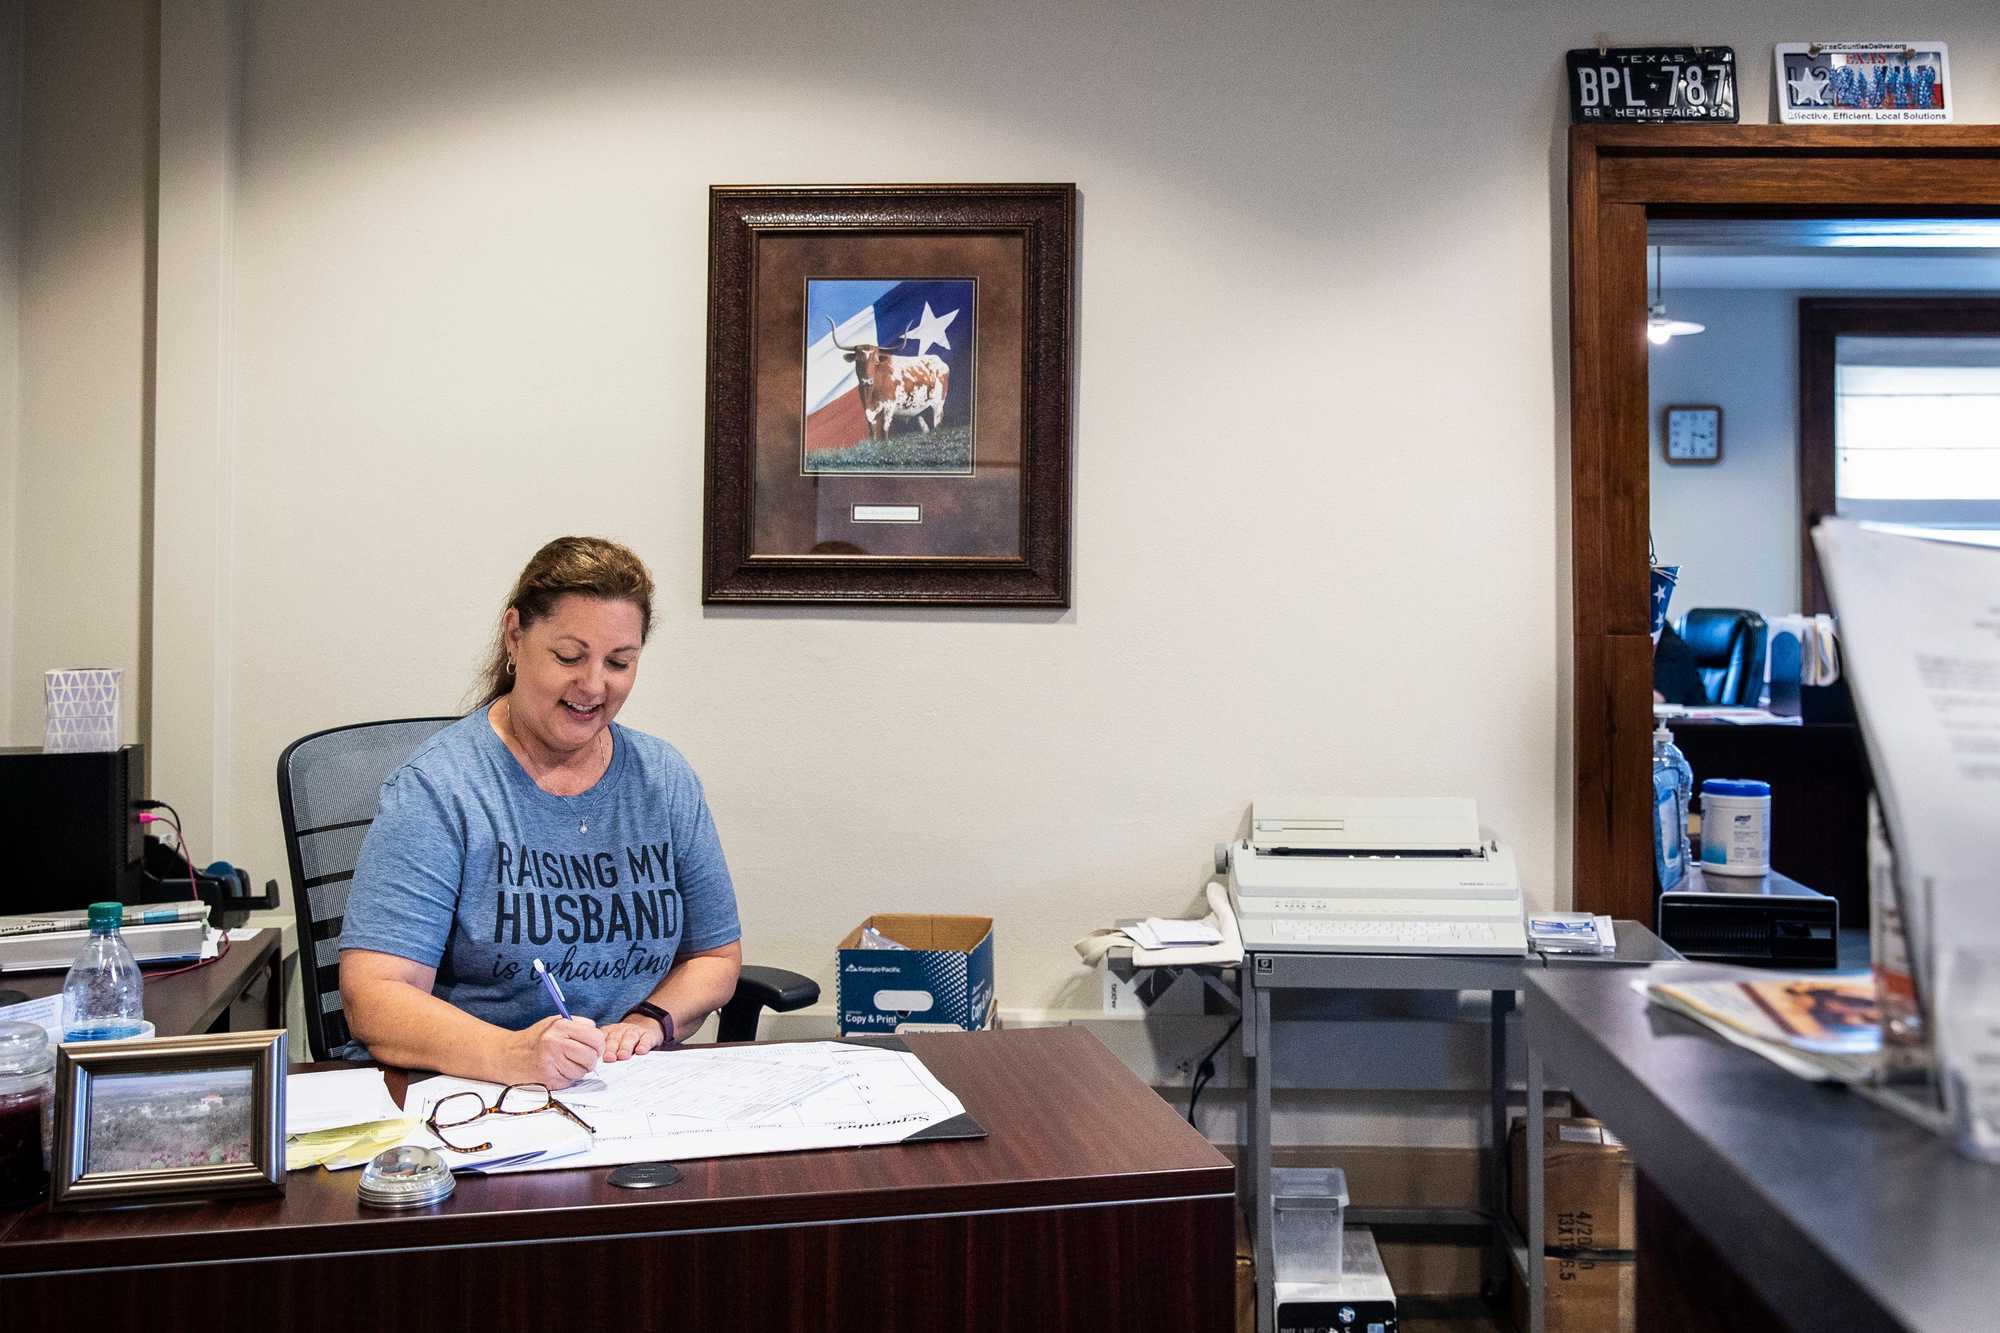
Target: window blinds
column 1917, row 431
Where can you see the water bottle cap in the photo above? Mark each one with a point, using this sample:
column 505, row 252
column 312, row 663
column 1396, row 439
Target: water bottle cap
column 24, row 1049
column 106, row 916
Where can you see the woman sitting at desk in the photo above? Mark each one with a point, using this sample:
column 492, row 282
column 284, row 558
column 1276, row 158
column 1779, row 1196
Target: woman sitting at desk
column 534, row 828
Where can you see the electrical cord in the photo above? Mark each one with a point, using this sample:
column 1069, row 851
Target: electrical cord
column 180, row 840
column 157, row 805
column 1204, row 1073
column 194, row 886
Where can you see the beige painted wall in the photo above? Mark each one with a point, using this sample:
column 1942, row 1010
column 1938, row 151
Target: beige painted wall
column 11, row 62
column 85, row 178
column 1321, row 479
column 471, row 266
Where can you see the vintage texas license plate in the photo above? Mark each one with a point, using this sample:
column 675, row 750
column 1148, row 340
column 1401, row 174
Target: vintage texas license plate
column 1642, row 84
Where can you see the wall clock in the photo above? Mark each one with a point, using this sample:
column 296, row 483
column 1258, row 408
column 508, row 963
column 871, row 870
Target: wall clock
column 1693, row 434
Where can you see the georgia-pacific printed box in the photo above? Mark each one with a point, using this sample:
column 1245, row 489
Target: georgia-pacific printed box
column 943, row 978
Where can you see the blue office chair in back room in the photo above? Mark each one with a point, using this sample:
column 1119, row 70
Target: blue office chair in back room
column 1728, row 648
column 328, row 784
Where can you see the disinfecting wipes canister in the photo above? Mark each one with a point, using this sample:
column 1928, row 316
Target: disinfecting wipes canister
column 1735, row 826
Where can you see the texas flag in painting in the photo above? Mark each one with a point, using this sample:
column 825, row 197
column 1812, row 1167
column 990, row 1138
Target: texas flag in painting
column 905, row 331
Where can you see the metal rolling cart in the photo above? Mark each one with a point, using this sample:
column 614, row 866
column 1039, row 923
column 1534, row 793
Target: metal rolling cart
column 1262, row 978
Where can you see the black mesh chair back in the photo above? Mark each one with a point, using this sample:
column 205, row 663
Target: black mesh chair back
column 328, row 786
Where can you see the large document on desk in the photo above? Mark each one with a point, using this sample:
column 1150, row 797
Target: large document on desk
column 733, row 1100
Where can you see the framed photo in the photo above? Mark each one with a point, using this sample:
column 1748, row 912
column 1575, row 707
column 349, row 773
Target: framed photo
column 173, row 1119
column 1822, row 83
column 889, row 394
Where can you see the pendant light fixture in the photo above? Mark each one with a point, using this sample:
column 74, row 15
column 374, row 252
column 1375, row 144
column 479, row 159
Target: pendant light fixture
column 1659, row 329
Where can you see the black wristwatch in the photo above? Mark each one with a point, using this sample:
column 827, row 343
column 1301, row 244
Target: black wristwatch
column 658, row 1015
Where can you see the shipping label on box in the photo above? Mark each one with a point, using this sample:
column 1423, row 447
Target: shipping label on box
column 942, row 979
column 1586, row 1185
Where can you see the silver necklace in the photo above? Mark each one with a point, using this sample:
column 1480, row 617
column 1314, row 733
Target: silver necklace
column 582, row 821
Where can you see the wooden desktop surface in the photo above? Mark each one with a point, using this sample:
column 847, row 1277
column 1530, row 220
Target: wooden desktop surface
column 1090, row 1204
column 189, row 1002
column 1806, row 1200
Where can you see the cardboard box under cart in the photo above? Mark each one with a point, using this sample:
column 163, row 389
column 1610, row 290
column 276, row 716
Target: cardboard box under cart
column 1589, row 1231
column 942, row 979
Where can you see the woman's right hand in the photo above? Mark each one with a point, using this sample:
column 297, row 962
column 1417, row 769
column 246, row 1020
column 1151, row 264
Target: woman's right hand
column 557, row 1051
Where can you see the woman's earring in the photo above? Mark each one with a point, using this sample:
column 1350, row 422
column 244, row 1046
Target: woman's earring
column 510, row 666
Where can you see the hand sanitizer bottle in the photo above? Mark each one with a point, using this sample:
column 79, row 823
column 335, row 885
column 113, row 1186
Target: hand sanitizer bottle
column 1673, row 787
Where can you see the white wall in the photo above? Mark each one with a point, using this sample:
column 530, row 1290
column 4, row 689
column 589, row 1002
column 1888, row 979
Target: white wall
column 471, row 267
column 463, row 258
column 11, row 61
column 79, row 515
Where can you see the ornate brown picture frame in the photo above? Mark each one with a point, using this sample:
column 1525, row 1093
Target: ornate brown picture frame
column 889, row 394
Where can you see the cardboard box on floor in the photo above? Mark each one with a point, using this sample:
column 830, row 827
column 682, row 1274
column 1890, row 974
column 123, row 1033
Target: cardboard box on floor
column 1583, row 1294
column 942, row 978
column 1588, row 1214
column 1587, row 1185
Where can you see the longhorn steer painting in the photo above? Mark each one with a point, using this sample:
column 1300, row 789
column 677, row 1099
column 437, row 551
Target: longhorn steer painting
column 888, row 375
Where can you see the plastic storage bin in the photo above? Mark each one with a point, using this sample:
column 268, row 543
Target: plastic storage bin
column 1306, row 1204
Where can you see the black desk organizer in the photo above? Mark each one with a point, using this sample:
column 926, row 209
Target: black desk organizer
column 1770, row 921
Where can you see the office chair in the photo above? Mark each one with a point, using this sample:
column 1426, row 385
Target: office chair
column 1728, row 647
column 328, row 784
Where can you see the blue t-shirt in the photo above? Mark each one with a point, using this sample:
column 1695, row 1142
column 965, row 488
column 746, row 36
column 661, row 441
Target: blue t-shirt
column 474, row 870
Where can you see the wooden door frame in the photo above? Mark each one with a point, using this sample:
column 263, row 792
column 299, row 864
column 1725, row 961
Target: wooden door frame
column 1619, row 176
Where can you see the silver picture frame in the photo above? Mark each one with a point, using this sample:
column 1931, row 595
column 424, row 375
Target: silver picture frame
column 172, row 1119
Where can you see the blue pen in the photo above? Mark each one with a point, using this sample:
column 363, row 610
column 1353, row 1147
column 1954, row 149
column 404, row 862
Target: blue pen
column 549, row 985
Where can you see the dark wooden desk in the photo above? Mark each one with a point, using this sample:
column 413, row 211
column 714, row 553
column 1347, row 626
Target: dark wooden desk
column 1766, row 1201
column 1819, row 796
column 1090, row 1205
column 197, row 1001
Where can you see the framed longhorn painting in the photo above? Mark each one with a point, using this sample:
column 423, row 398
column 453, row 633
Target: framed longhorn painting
column 889, row 394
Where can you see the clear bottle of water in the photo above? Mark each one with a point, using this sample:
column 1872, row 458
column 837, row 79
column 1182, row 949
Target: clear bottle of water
column 104, row 993
column 1665, row 752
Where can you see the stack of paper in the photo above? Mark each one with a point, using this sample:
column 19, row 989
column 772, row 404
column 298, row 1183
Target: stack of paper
column 137, row 914
column 55, row 950
column 1215, row 939
column 45, row 1013
column 1158, row 932
column 1571, row 932
column 1818, row 1026
column 1743, row 717
column 707, row 1101
column 339, row 1117
column 338, row 1149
